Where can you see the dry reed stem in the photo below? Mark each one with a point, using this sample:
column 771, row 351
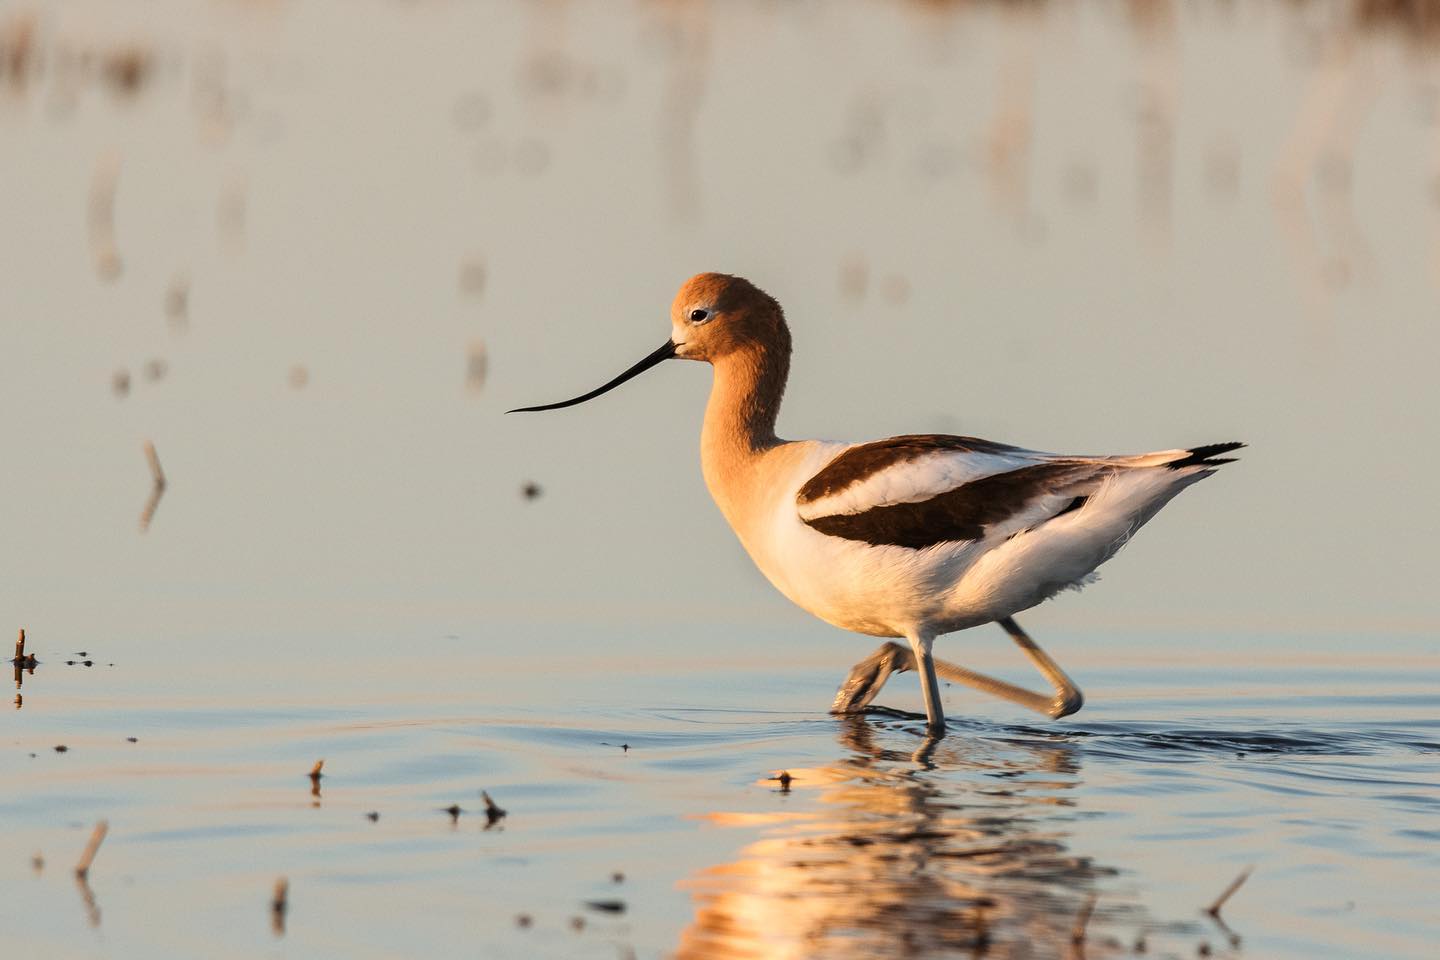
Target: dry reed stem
column 156, row 490
column 97, row 837
column 20, row 647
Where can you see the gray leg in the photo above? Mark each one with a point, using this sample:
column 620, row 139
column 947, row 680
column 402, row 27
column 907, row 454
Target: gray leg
column 929, row 686
column 869, row 675
column 1068, row 697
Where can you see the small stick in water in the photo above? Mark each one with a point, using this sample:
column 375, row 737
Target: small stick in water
column 315, row 776
column 1077, row 935
column 97, row 837
column 20, row 647
column 493, row 812
column 1214, row 908
column 156, row 491
column 278, row 904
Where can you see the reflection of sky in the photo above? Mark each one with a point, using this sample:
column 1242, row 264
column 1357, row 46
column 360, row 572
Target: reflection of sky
column 959, row 211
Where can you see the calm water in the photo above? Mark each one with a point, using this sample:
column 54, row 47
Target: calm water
column 310, row 252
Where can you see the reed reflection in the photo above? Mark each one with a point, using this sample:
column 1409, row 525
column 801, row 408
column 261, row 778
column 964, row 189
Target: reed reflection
column 962, row 853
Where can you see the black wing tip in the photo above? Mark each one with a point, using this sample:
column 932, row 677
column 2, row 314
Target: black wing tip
column 1206, row 455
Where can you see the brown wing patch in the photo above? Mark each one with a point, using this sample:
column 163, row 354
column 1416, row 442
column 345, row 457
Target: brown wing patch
column 863, row 461
column 962, row 513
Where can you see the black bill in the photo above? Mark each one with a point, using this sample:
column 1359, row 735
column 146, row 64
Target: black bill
column 664, row 353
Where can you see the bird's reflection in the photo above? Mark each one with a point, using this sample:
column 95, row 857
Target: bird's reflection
column 957, row 851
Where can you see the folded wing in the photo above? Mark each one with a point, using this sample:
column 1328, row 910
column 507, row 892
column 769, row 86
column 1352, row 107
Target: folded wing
column 921, row 490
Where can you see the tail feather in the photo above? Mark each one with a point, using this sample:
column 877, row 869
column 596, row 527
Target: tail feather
column 1205, row 455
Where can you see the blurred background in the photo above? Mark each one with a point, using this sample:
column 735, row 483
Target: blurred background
column 312, row 251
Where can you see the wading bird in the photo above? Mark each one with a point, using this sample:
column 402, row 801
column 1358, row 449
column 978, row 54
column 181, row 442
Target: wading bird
column 914, row 536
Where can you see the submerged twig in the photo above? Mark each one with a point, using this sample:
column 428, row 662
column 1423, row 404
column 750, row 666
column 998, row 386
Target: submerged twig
column 97, row 837
column 1214, row 908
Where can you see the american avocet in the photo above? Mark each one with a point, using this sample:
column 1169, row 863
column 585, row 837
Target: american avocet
column 914, row 536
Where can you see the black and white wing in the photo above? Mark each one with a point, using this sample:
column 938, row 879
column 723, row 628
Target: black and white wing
column 920, row 490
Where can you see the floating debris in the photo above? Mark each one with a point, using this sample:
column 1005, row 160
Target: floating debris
column 97, row 837
column 523, row 921
column 577, row 923
column 120, row 383
column 373, row 816
column 37, row 863
column 315, row 776
column 531, row 491
column 493, row 812
column 617, row 877
column 454, row 811
column 61, row 748
column 606, row 906
column 279, row 904
column 132, row 739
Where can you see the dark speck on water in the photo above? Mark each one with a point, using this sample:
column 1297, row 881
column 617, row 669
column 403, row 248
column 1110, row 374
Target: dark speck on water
column 606, row 906
column 531, row 490
column 61, row 748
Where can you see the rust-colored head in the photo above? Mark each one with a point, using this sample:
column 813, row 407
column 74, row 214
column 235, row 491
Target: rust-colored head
column 715, row 315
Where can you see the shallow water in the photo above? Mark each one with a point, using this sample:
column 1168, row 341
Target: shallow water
column 311, row 255
column 1326, row 780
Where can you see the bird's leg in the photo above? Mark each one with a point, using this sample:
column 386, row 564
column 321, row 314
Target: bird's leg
column 869, row 675
column 1068, row 697
column 920, row 644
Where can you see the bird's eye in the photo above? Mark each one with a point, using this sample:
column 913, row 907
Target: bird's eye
column 699, row 316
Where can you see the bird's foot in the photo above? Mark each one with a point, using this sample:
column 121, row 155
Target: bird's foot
column 869, row 675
